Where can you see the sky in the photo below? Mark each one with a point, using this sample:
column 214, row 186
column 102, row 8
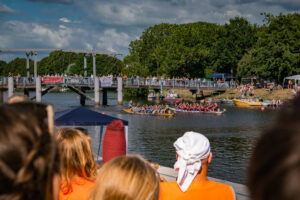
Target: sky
column 112, row 24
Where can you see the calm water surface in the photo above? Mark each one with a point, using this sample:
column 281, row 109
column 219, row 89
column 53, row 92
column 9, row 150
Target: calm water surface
column 232, row 135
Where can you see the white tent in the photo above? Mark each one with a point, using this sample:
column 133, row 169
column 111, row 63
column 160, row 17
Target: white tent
column 295, row 78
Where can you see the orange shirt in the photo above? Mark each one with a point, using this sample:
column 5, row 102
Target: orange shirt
column 80, row 189
column 207, row 190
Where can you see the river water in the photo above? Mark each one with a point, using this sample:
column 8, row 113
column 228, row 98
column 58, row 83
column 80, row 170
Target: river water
column 232, row 135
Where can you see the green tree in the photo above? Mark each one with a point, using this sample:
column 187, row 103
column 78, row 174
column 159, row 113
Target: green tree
column 3, row 65
column 277, row 51
column 234, row 40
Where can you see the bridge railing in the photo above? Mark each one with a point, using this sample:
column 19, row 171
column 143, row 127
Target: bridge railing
column 175, row 83
column 129, row 82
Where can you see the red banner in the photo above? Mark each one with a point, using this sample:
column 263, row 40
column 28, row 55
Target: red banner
column 48, row 79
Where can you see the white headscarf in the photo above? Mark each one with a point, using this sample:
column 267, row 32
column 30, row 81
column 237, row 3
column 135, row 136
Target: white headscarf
column 191, row 148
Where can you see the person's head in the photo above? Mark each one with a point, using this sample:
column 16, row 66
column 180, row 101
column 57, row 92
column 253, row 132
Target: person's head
column 76, row 156
column 29, row 160
column 17, row 98
column 193, row 156
column 274, row 170
column 126, row 178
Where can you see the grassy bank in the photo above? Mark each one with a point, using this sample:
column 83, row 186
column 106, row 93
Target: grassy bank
column 283, row 94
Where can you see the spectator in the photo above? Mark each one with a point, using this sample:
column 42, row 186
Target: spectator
column 193, row 157
column 18, row 98
column 290, row 84
column 77, row 165
column 274, row 173
column 29, row 160
column 126, row 177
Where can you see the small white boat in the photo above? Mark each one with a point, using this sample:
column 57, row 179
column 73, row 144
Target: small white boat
column 227, row 101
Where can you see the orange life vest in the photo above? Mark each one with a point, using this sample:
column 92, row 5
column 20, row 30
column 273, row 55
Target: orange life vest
column 208, row 190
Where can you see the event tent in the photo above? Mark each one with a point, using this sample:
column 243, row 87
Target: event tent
column 80, row 116
column 295, row 78
column 220, row 75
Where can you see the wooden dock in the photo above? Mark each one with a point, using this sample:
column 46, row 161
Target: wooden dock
column 241, row 191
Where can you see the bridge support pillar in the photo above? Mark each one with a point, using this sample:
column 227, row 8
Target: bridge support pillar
column 26, row 92
column 96, row 90
column 85, row 68
column 27, row 64
column 1, row 97
column 82, row 98
column 120, row 91
column 157, row 95
column 104, row 96
column 35, row 64
column 38, row 89
column 10, row 86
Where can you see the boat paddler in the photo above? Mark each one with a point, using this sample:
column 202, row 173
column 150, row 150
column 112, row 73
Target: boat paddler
column 193, row 158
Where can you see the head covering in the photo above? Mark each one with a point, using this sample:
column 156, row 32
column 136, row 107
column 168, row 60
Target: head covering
column 191, row 148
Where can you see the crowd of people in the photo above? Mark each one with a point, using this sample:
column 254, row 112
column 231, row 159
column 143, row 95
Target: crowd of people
column 39, row 162
column 206, row 107
column 149, row 109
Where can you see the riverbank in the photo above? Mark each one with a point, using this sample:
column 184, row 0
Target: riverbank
column 261, row 93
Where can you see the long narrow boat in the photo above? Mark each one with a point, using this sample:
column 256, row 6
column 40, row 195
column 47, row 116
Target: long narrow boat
column 142, row 113
column 172, row 99
column 190, row 111
column 246, row 103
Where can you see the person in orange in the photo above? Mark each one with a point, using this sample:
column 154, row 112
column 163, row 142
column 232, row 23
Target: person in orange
column 78, row 168
column 126, row 178
column 193, row 157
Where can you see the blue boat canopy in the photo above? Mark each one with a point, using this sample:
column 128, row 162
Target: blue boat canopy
column 220, row 75
column 83, row 117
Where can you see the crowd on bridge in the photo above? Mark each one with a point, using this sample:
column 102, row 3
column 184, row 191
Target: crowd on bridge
column 136, row 80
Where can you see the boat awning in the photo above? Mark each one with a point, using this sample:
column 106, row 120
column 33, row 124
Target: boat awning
column 83, row 117
column 220, row 75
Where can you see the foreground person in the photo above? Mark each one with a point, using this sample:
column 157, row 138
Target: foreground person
column 193, row 157
column 126, row 178
column 274, row 171
column 77, row 165
column 29, row 160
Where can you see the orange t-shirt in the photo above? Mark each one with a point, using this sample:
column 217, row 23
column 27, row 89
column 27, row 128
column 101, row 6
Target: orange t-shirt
column 80, row 189
column 204, row 190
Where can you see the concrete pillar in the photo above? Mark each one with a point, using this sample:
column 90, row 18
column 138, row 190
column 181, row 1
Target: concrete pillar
column 10, row 86
column 96, row 90
column 82, row 98
column 94, row 65
column 26, row 92
column 27, row 64
column 35, row 65
column 1, row 96
column 85, row 67
column 120, row 91
column 38, row 90
column 104, row 96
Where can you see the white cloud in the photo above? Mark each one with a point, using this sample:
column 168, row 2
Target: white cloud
column 38, row 35
column 65, row 20
column 111, row 40
column 5, row 9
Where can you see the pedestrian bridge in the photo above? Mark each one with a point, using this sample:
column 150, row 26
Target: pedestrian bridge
column 81, row 84
column 112, row 82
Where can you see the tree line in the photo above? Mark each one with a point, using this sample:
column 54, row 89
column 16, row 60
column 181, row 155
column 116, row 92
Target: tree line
column 59, row 62
column 238, row 47
column 191, row 50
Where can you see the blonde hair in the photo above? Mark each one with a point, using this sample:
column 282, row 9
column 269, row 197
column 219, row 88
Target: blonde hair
column 76, row 156
column 17, row 98
column 126, row 178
